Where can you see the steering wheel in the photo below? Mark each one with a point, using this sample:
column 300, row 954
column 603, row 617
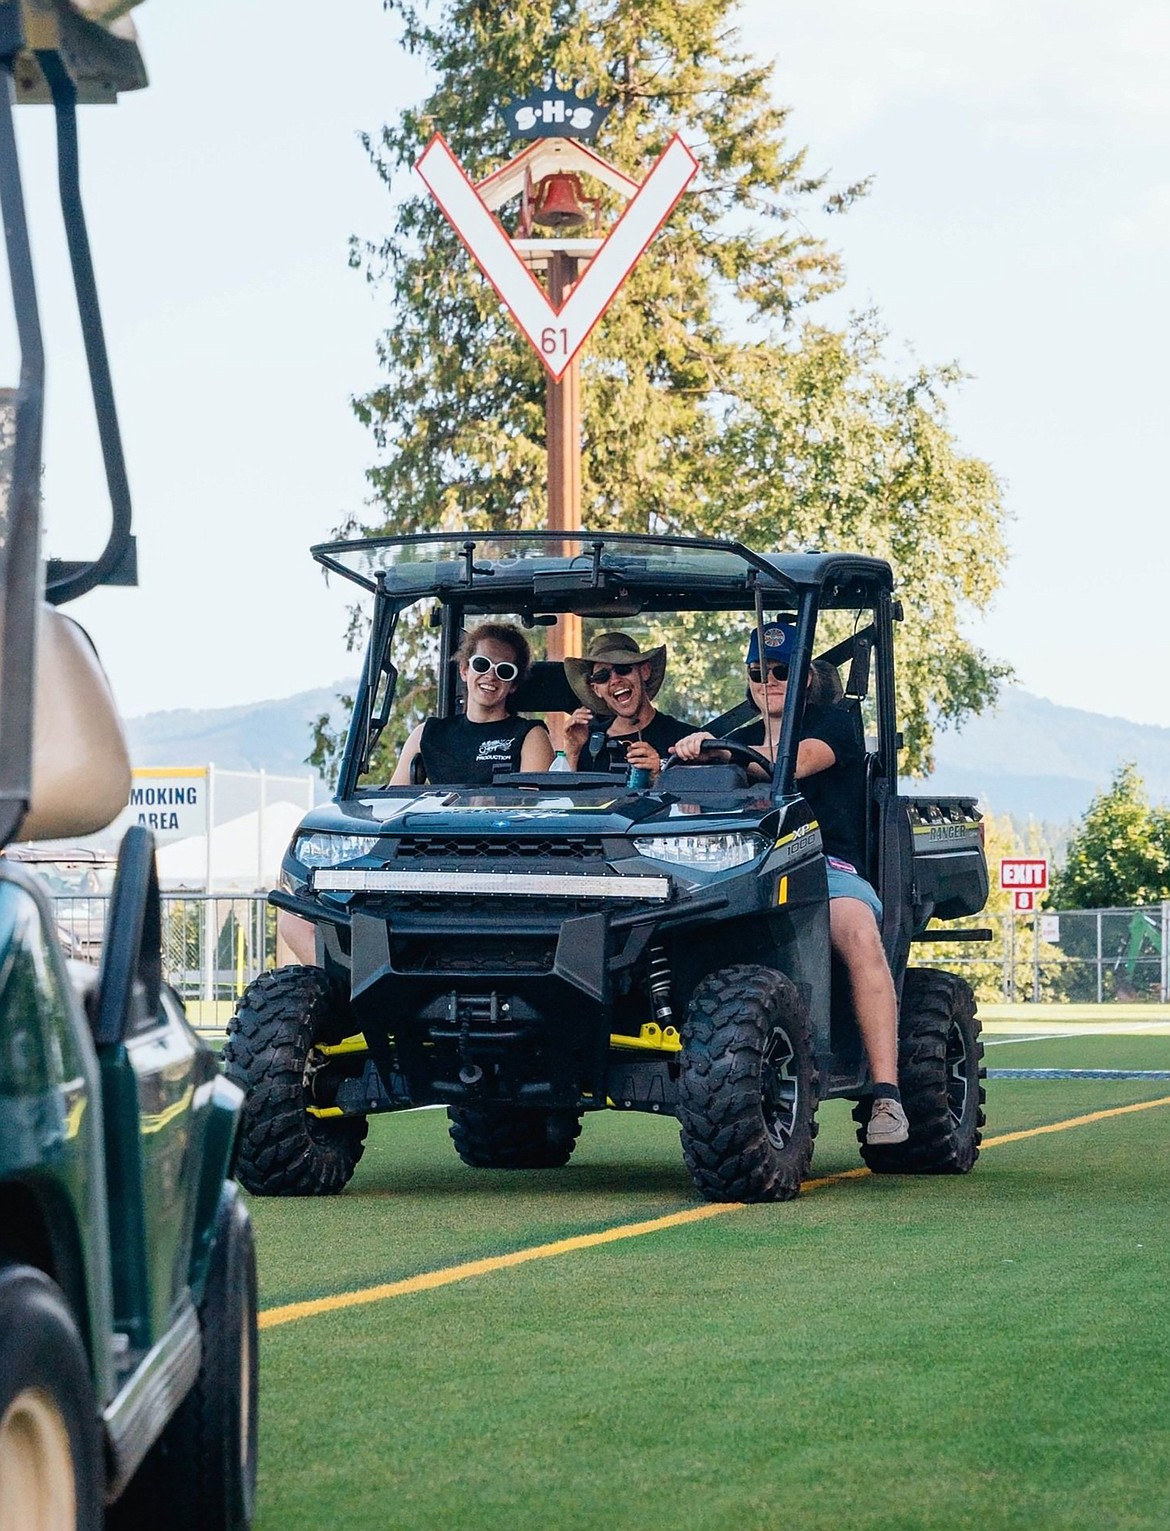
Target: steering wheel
column 741, row 754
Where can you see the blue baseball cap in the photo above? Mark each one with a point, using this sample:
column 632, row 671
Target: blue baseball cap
column 779, row 641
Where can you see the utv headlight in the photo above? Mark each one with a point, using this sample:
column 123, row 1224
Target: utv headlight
column 709, row 853
column 324, row 850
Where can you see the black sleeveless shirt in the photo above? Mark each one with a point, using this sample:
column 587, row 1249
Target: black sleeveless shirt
column 459, row 751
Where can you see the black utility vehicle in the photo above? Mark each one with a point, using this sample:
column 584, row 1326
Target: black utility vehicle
column 556, row 944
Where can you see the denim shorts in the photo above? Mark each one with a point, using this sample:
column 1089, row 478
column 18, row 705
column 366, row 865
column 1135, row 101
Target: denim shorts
column 844, row 884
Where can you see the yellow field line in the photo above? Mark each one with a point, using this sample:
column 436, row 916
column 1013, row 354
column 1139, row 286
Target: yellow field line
column 427, row 1281
column 1076, row 1121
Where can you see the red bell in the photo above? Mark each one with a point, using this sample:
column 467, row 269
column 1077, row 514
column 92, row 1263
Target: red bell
column 560, row 203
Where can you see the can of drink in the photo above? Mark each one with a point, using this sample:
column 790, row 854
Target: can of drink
column 639, row 778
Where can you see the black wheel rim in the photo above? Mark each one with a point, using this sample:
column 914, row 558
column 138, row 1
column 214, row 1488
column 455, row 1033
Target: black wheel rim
column 958, row 1074
column 779, row 1088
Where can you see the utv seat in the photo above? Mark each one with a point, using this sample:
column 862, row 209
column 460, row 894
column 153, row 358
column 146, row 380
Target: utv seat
column 546, row 689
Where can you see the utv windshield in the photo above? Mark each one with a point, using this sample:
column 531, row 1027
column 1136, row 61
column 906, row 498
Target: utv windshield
column 407, row 567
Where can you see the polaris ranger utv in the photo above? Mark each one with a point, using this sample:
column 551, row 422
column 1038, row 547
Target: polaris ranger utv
column 555, row 944
column 127, row 1274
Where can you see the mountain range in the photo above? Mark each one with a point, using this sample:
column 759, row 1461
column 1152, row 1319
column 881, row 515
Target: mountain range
column 1028, row 757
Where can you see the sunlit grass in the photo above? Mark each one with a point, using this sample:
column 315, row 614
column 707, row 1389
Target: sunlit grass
column 988, row 1351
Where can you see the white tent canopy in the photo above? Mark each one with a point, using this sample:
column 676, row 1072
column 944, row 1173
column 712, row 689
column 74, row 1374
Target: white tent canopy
column 245, row 853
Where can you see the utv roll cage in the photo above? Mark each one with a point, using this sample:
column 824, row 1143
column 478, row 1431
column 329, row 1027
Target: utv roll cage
column 539, row 575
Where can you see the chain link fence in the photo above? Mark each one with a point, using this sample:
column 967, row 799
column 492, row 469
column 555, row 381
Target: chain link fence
column 1078, row 956
column 215, row 944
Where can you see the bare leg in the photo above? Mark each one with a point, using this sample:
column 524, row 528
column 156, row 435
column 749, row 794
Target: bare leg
column 854, row 934
column 298, row 935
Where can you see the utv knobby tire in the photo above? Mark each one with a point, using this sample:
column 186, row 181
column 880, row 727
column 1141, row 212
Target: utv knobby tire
column 283, row 1150
column 940, row 1074
column 748, row 1090
column 513, row 1137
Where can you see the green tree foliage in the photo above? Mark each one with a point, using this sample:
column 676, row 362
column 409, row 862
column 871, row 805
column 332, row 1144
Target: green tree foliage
column 1119, row 856
column 713, row 403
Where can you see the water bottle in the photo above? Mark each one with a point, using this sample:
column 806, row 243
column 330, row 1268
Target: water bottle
column 560, row 762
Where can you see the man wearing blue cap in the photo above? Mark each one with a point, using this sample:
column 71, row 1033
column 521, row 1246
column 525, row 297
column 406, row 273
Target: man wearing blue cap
column 830, row 767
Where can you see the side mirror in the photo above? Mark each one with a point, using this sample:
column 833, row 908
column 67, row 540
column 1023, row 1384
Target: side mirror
column 130, row 979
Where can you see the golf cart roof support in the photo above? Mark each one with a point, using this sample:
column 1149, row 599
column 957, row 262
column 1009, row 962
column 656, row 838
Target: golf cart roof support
column 117, row 563
column 20, row 497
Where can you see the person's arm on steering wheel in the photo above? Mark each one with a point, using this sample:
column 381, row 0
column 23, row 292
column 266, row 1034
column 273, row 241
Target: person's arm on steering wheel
column 696, row 749
column 690, row 747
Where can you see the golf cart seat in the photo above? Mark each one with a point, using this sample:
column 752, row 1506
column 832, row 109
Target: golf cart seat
column 80, row 766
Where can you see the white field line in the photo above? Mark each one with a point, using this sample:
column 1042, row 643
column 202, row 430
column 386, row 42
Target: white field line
column 1105, row 1029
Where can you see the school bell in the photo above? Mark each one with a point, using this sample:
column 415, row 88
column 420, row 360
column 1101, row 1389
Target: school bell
column 560, row 203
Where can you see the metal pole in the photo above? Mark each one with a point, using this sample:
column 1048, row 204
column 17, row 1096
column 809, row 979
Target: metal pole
column 1100, row 983
column 1165, row 950
column 260, row 829
column 1035, row 956
column 1009, row 987
column 563, row 432
column 209, row 931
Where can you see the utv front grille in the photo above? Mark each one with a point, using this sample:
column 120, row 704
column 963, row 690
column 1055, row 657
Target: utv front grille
column 458, row 850
column 436, row 912
column 472, row 954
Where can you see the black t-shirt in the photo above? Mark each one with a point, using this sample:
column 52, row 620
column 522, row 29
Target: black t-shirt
column 457, row 750
column 660, row 733
column 836, row 795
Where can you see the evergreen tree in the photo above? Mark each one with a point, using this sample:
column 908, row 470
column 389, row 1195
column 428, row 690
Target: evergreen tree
column 1119, row 856
column 712, row 403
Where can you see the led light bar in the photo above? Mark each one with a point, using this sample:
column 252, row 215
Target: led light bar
column 360, row 880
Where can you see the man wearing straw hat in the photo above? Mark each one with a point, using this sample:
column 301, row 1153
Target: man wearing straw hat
column 617, row 684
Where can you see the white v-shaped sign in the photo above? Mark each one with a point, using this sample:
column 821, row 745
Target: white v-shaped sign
column 556, row 334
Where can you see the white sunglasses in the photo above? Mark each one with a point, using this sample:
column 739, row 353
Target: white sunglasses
column 480, row 664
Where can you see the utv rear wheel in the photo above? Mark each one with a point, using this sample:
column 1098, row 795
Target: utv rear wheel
column 513, row 1137
column 748, row 1088
column 271, row 1054
column 940, row 1074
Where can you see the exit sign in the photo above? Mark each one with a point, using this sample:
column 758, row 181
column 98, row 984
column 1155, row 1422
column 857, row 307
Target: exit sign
column 1020, row 873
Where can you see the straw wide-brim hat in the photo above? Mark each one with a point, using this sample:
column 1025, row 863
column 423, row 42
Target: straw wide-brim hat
column 614, row 648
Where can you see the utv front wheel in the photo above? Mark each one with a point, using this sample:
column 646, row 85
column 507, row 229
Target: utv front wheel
column 748, row 1087
column 271, row 1054
column 513, row 1137
column 940, row 1075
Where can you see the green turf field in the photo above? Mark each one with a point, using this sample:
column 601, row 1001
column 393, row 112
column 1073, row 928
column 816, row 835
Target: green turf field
column 991, row 1351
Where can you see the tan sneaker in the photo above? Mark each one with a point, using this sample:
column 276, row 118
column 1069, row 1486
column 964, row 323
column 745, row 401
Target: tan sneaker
column 887, row 1124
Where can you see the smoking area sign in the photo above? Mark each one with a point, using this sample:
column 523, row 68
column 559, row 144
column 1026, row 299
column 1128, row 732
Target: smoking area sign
column 1024, row 877
column 171, row 801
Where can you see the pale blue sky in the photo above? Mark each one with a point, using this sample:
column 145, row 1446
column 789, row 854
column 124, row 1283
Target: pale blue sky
column 1019, row 223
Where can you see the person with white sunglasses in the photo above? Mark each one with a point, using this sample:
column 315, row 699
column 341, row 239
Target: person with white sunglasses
column 466, row 748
